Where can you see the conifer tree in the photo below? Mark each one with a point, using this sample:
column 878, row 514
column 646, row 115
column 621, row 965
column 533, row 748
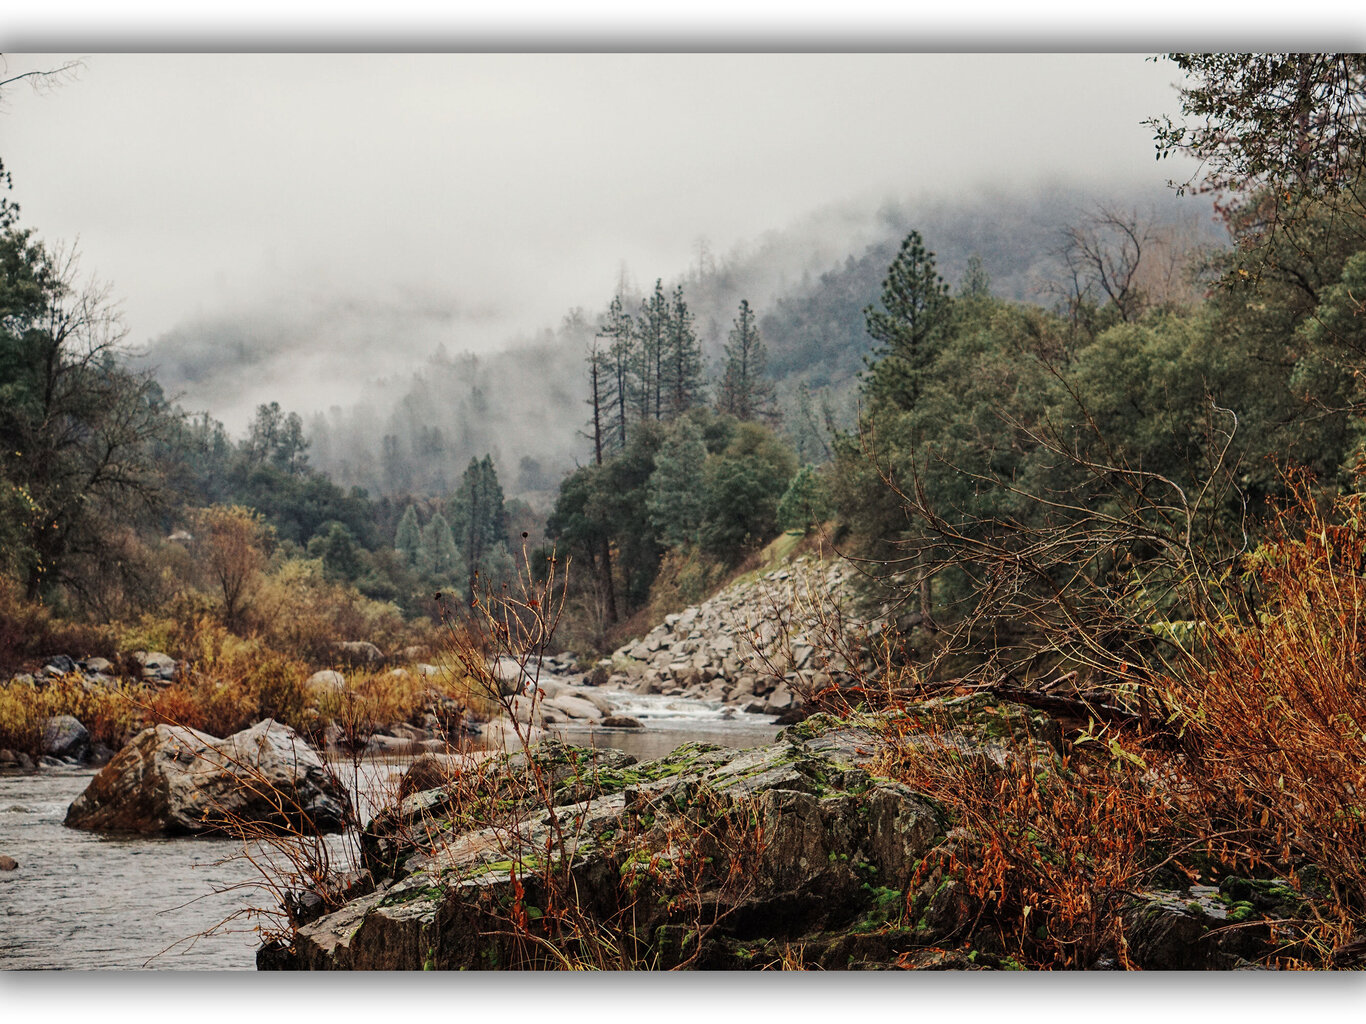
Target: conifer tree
column 745, row 392
column 652, row 333
column 909, row 327
column 481, row 519
column 408, row 537
column 684, row 363
column 618, row 332
column 599, row 395
column 675, row 494
column 976, row 282
column 440, row 557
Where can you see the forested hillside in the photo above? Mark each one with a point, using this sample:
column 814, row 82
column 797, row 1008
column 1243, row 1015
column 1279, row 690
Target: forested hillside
column 412, row 432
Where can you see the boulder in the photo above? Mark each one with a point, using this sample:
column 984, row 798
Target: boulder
column 512, row 677
column 64, row 736
column 59, row 664
column 8, row 863
column 358, row 652
column 429, row 771
column 156, row 666
column 173, row 780
column 380, row 745
column 826, row 848
column 329, row 680
column 620, row 722
column 500, row 734
column 574, row 707
column 98, row 666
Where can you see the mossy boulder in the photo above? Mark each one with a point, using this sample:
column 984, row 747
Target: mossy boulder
column 695, row 858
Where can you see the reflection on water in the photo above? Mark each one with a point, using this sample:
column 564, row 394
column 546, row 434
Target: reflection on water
column 670, row 722
column 80, row 900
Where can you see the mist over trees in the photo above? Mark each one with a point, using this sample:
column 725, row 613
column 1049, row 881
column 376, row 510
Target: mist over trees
column 806, row 287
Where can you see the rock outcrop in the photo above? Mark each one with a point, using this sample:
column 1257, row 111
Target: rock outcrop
column 563, row 856
column 710, row 857
column 174, row 780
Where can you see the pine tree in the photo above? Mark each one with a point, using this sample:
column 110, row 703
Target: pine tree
column 408, row 537
column 599, row 395
column 291, row 450
column 619, row 333
column 683, row 381
column 910, row 326
column 481, row 519
column 652, row 333
column 439, row 557
column 976, row 282
column 745, row 392
column 675, row 495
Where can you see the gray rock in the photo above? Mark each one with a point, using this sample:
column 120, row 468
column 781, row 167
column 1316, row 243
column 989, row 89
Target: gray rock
column 65, row 736
column 501, row 734
column 388, row 746
column 59, row 664
column 327, row 681
column 512, row 676
column 98, row 666
column 156, row 666
column 358, row 652
column 174, row 780
column 575, row 706
column 826, row 827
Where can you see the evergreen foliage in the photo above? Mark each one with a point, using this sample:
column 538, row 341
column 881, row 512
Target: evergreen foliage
column 745, row 391
column 675, row 500
column 909, row 327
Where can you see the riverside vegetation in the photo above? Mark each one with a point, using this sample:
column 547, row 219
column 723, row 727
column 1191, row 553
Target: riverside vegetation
column 1077, row 685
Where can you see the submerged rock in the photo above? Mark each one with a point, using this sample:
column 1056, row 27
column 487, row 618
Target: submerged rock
column 173, row 780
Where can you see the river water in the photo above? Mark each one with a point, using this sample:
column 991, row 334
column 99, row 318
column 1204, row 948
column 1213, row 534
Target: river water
column 85, row 901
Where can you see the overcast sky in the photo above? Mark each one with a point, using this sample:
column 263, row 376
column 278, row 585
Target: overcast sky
column 502, row 190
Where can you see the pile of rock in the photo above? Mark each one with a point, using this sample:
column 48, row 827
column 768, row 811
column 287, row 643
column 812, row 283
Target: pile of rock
column 759, row 645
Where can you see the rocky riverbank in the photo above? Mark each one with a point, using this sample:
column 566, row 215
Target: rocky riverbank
column 762, row 645
column 792, row 854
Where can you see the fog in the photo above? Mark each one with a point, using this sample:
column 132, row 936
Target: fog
column 286, row 227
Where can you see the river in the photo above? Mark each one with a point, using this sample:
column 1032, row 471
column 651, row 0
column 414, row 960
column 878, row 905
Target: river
column 85, row 901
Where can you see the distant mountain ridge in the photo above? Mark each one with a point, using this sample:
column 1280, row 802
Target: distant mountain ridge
column 415, row 430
